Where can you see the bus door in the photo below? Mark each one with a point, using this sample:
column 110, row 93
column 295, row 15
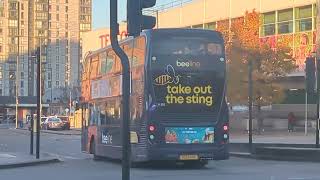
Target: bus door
column 85, row 123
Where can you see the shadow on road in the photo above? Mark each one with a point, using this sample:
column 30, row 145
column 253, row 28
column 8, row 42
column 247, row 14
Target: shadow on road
column 160, row 165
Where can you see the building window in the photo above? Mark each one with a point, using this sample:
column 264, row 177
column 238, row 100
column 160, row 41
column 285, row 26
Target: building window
column 211, row 26
column 22, row 6
column 41, row 16
column 13, row 31
column 85, row 27
column 57, row 8
column 49, row 76
column 21, row 84
column 198, row 26
column 285, row 21
column 13, row 6
column 13, row 23
column 57, row 83
column 269, row 24
column 21, row 92
column 2, row 58
column 49, row 84
column 39, row 24
column 57, row 17
column 67, row 9
column 315, row 9
column 303, row 18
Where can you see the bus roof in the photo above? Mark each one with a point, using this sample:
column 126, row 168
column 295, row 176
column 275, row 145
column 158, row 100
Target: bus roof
column 161, row 30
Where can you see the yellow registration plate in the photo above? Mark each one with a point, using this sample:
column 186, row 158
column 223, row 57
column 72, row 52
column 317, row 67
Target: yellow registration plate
column 189, row 157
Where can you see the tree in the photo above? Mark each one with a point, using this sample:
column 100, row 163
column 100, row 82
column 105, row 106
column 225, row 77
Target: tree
column 269, row 64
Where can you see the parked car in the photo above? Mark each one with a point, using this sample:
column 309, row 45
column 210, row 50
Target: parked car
column 54, row 123
column 65, row 120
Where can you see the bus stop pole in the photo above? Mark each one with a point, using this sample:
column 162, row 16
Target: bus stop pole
column 250, row 104
column 317, row 96
column 38, row 103
column 317, row 56
column 31, row 133
column 126, row 150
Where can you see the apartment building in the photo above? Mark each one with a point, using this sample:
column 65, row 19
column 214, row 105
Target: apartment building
column 56, row 26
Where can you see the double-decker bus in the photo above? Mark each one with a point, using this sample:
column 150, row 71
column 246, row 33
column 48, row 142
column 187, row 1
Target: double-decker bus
column 177, row 103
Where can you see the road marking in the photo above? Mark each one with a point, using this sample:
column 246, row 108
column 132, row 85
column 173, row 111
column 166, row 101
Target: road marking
column 7, row 156
column 304, row 178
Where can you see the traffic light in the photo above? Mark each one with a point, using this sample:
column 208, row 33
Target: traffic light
column 310, row 75
column 136, row 20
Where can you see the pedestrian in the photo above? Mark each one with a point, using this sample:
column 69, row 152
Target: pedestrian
column 260, row 122
column 291, row 120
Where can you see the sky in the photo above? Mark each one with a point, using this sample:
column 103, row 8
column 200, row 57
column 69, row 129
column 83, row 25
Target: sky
column 101, row 11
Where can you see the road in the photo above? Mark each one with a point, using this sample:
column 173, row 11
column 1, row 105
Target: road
column 81, row 166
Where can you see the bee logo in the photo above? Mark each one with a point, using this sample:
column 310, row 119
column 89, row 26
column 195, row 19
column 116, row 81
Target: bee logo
column 167, row 78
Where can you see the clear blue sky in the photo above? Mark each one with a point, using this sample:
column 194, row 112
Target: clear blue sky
column 101, row 11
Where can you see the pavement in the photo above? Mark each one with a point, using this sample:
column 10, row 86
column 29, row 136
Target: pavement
column 275, row 137
column 14, row 160
column 276, row 145
column 72, row 131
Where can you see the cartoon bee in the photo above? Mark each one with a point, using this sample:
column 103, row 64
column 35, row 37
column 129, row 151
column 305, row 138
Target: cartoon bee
column 168, row 78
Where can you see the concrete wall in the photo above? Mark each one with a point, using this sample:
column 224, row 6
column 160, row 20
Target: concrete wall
column 203, row 11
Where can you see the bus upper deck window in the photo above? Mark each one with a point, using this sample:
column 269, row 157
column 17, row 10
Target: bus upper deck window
column 214, row 49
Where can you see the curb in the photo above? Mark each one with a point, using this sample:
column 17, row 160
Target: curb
column 67, row 134
column 273, row 157
column 52, row 132
column 29, row 163
column 242, row 155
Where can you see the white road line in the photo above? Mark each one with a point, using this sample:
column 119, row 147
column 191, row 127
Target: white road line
column 304, row 178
